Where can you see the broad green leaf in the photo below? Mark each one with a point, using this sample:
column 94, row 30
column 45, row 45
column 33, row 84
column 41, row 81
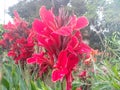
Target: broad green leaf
column 34, row 86
column 5, row 83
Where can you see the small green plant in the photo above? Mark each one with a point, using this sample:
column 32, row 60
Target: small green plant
column 107, row 71
column 107, row 77
column 112, row 45
column 14, row 78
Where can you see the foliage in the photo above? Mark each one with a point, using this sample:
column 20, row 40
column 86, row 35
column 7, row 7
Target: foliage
column 29, row 9
column 14, row 78
column 112, row 12
column 107, row 71
column 107, row 77
column 112, row 45
column 78, row 6
column 107, row 74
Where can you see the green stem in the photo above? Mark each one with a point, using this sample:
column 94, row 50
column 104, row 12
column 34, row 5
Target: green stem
column 62, row 86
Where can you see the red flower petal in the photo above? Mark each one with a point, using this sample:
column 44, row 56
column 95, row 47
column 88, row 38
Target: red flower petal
column 31, row 60
column 72, row 62
column 12, row 53
column 48, row 18
column 64, row 31
column 81, row 22
column 62, row 60
column 73, row 21
column 43, row 69
column 58, row 74
column 79, row 36
column 84, row 50
column 38, row 26
column 9, row 26
column 72, row 44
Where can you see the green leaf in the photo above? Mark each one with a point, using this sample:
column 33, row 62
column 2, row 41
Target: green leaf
column 5, row 83
column 34, row 86
column 58, row 86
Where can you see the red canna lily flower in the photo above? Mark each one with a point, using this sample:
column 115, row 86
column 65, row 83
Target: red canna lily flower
column 58, row 36
column 15, row 39
column 62, row 42
column 53, row 32
column 57, row 24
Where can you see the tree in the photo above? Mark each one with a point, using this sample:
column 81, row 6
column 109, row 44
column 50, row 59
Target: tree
column 29, row 9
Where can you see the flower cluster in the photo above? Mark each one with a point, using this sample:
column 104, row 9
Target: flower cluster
column 15, row 39
column 61, row 42
column 58, row 38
